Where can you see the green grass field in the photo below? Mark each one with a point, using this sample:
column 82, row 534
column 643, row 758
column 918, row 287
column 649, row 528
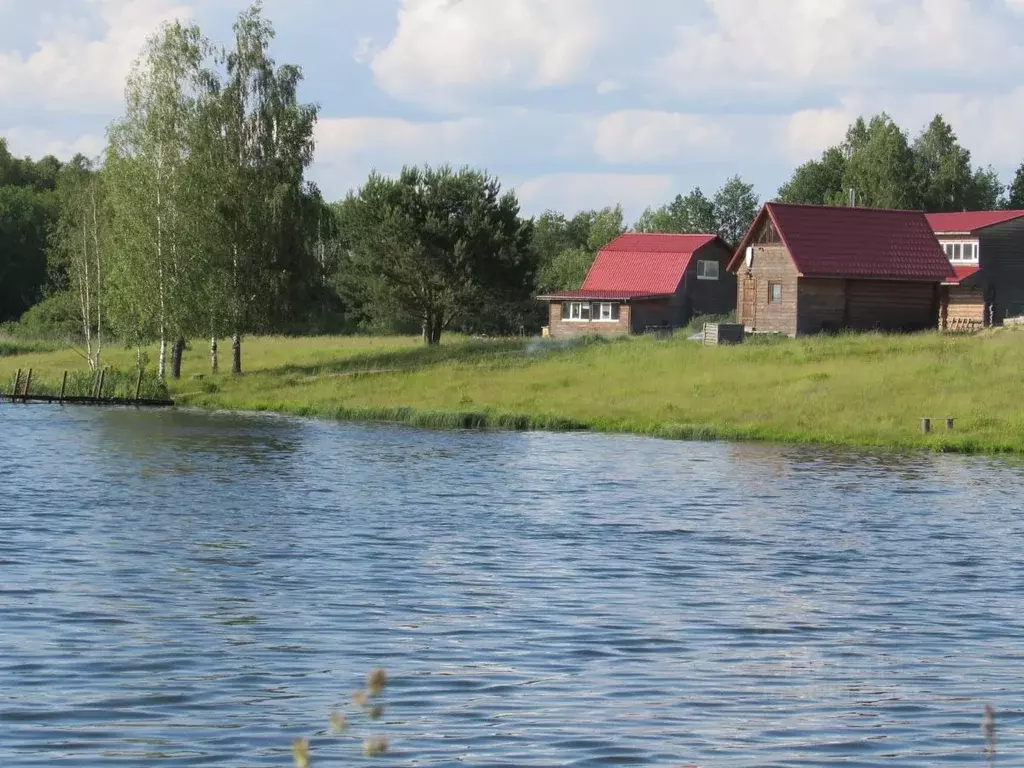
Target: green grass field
column 863, row 390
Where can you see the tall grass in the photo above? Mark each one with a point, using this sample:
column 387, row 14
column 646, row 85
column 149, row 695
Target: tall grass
column 849, row 389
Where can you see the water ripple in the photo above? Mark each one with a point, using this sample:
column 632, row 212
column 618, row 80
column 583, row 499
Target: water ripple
column 185, row 589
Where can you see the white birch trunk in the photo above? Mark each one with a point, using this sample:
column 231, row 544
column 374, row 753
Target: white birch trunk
column 99, row 275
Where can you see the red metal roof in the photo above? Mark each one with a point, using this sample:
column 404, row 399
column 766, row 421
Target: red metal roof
column 658, row 243
column 970, row 221
column 962, row 273
column 643, row 264
column 866, row 243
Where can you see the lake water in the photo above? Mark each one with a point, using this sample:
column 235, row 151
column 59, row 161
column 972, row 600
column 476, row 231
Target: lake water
column 185, row 589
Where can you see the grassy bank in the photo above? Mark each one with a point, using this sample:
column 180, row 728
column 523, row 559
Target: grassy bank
column 862, row 390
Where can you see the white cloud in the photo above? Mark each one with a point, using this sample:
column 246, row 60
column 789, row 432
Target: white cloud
column 349, row 148
column 810, row 131
column 71, row 70
column 36, row 143
column 359, row 135
column 773, row 46
column 646, row 136
column 579, row 191
column 443, row 46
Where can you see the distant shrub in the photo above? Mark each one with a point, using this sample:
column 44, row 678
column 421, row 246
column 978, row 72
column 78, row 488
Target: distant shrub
column 55, row 318
column 696, row 324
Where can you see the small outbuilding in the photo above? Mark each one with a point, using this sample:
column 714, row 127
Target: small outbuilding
column 640, row 282
column 805, row 269
column 986, row 249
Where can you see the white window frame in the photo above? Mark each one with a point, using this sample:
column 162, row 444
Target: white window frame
column 576, row 312
column 771, row 285
column 702, row 269
column 956, row 251
column 605, row 312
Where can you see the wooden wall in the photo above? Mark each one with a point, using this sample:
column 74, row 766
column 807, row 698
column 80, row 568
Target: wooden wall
column 771, row 264
column 1001, row 259
column 891, row 305
column 562, row 329
column 964, row 307
column 658, row 312
column 821, row 305
column 709, row 297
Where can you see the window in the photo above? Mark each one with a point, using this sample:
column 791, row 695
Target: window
column 961, row 251
column 774, row 293
column 707, row 270
column 584, row 311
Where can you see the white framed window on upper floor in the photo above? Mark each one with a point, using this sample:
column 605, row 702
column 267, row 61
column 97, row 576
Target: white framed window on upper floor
column 961, row 251
column 707, row 270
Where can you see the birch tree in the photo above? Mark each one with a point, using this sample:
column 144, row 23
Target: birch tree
column 78, row 249
column 156, row 257
column 267, row 145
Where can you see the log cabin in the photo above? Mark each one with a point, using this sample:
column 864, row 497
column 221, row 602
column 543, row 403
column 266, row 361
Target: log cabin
column 804, row 269
column 639, row 282
column 986, row 249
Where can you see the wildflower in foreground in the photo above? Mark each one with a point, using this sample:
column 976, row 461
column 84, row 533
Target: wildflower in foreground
column 375, row 746
column 339, row 724
column 988, row 730
column 376, row 681
column 300, row 751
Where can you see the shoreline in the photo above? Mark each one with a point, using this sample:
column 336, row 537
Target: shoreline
column 490, row 421
column 861, row 391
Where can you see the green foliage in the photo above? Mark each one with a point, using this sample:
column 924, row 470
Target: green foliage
column 1015, row 193
column 566, row 247
column 729, row 214
column 822, row 390
column 879, row 164
column 437, row 246
column 10, row 347
column 25, row 217
column 817, row 182
column 54, row 318
column 566, row 272
column 117, row 384
column 736, row 206
column 267, row 211
column 692, row 214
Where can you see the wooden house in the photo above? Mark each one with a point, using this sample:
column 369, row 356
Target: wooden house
column 986, row 249
column 640, row 282
column 806, row 269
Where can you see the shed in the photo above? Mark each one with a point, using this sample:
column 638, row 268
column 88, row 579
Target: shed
column 641, row 281
column 805, row 269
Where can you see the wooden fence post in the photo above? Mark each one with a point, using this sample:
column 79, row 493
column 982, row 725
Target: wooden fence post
column 17, row 383
column 949, row 424
column 138, row 385
column 926, row 426
column 99, row 389
column 28, row 383
column 63, row 386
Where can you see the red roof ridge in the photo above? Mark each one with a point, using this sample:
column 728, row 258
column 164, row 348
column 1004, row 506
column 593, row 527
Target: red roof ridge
column 846, row 208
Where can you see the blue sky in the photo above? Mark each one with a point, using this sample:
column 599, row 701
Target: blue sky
column 576, row 103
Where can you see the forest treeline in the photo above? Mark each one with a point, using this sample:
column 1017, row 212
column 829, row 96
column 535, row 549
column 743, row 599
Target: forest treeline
column 198, row 221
